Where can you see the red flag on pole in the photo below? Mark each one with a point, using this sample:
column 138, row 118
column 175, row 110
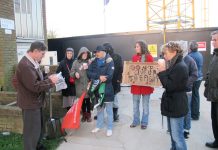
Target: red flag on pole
column 72, row 119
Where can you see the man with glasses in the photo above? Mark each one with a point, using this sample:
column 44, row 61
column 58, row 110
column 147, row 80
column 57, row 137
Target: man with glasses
column 31, row 88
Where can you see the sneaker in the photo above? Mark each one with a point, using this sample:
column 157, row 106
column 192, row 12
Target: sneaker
column 95, row 130
column 186, row 134
column 109, row 132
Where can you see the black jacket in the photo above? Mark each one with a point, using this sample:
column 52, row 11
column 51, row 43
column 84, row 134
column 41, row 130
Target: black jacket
column 174, row 101
column 107, row 69
column 192, row 71
column 118, row 70
column 211, row 81
column 70, row 90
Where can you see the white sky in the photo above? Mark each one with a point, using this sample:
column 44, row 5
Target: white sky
column 84, row 17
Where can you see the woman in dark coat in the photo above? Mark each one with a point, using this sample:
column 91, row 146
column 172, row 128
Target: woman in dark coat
column 69, row 94
column 173, row 74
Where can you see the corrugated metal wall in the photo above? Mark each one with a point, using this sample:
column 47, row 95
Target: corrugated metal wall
column 124, row 43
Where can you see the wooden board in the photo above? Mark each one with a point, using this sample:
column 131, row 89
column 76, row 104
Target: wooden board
column 141, row 73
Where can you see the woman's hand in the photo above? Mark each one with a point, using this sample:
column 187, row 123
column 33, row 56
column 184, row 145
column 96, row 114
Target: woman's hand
column 77, row 75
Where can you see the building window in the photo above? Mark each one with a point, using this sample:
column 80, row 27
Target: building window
column 29, row 19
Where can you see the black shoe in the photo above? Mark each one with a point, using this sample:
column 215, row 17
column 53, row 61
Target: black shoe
column 133, row 126
column 40, row 147
column 186, row 134
column 212, row 144
column 116, row 116
column 196, row 119
column 143, row 127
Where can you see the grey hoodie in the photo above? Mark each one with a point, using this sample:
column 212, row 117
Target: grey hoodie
column 78, row 66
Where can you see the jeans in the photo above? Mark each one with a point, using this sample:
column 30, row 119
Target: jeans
column 115, row 104
column 136, row 110
column 176, row 133
column 187, row 119
column 195, row 102
column 100, row 115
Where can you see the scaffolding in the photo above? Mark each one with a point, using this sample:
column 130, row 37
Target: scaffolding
column 169, row 14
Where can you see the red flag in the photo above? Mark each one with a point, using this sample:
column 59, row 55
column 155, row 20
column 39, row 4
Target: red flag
column 72, row 119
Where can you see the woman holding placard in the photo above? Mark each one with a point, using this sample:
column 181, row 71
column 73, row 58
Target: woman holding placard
column 144, row 92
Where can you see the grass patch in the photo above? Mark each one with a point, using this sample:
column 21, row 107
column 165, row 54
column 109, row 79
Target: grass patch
column 14, row 141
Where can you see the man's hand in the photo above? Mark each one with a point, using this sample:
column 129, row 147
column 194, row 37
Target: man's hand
column 53, row 78
column 103, row 78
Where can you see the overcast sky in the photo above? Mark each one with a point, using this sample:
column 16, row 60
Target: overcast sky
column 84, row 17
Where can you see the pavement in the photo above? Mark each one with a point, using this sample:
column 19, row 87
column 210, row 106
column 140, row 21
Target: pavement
column 154, row 137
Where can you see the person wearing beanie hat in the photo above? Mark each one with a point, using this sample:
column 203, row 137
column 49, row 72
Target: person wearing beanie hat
column 69, row 94
column 117, row 77
column 101, row 70
column 195, row 102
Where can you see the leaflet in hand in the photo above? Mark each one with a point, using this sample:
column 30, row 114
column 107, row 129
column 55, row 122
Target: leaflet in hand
column 61, row 84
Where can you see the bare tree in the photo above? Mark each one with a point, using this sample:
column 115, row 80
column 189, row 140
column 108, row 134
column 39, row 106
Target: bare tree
column 51, row 34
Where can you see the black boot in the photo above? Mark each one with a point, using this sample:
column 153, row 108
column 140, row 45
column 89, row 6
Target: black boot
column 116, row 116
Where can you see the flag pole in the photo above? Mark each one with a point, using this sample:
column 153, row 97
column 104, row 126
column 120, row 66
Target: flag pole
column 104, row 17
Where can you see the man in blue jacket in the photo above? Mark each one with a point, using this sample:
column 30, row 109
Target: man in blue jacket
column 195, row 103
column 102, row 68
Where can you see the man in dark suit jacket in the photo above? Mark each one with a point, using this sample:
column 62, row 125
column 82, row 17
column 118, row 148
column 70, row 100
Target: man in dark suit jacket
column 31, row 87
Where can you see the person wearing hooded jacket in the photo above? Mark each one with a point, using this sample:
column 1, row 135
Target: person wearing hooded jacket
column 117, row 77
column 79, row 72
column 69, row 94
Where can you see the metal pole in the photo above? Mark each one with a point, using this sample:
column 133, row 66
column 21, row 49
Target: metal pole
column 193, row 13
column 164, row 19
column 179, row 15
column 147, row 14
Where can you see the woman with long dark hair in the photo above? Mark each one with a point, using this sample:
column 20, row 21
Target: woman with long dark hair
column 144, row 92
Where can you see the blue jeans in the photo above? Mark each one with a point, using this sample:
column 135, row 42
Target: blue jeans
column 100, row 115
column 136, row 110
column 176, row 133
column 195, row 104
column 187, row 120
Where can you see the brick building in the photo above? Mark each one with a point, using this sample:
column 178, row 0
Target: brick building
column 21, row 23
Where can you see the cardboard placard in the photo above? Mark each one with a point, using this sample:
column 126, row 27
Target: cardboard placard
column 141, row 73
